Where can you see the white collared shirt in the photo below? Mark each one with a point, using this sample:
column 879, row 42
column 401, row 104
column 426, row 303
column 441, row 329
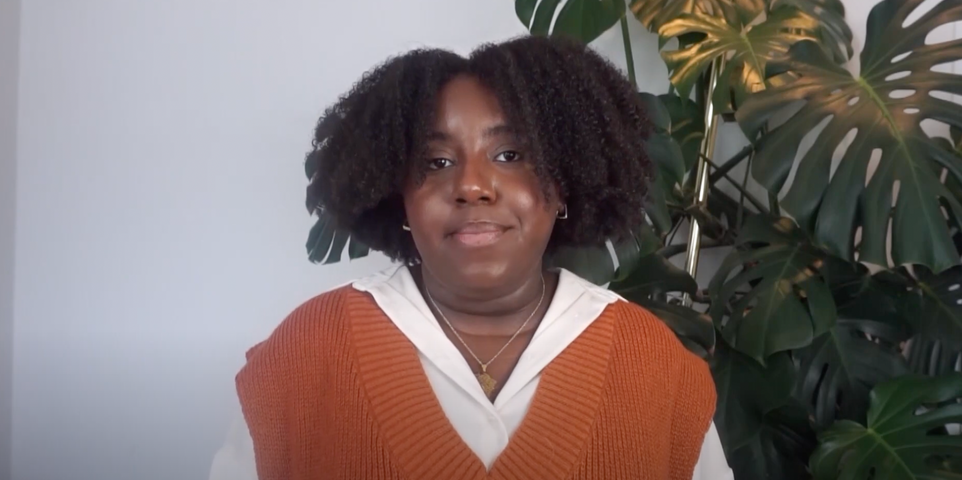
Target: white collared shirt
column 484, row 426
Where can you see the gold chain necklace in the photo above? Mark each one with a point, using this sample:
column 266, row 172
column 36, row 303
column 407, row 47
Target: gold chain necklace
column 487, row 381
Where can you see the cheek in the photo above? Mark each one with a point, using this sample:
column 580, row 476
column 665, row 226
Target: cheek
column 532, row 195
column 536, row 211
column 538, row 226
column 423, row 208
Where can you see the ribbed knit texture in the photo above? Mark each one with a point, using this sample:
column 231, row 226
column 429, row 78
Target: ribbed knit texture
column 337, row 392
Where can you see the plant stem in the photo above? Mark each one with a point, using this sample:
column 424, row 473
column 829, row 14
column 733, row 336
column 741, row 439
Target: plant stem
column 728, row 206
column 744, row 191
column 741, row 201
column 773, row 203
column 772, row 196
column 673, row 232
column 628, row 55
column 678, row 248
column 730, row 163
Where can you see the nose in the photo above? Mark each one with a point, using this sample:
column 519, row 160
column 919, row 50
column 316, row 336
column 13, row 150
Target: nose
column 476, row 182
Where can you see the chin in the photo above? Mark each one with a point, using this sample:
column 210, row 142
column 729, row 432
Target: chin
column 483, row 274
column 480, row 274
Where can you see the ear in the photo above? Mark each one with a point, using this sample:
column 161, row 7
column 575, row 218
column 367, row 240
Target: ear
column 563, row 212
column 556, row 194
column 559, row 203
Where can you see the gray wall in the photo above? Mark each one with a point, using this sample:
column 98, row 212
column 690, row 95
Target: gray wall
column 9, row 72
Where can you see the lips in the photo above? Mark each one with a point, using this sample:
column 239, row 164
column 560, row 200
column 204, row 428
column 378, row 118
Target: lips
column 478, row 234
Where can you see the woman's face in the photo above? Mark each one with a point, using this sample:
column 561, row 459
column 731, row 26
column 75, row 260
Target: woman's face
column 480, row 218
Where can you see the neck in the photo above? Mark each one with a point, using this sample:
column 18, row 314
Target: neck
column 488, row 311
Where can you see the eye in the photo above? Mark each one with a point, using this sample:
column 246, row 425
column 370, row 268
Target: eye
column 439, row 163
column 508, row 156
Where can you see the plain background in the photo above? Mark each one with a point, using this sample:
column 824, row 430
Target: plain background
column 9, row 36
column 152, row 224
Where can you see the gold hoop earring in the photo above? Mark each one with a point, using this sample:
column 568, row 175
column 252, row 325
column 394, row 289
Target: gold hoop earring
column 563, row 213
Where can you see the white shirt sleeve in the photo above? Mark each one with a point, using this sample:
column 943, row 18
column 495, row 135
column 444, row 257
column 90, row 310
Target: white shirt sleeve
column 712, row 464
column 235, row 460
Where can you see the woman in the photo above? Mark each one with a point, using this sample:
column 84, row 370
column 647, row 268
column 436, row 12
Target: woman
column 472, row 360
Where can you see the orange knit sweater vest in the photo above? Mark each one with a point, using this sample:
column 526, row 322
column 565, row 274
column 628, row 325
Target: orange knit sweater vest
column 337, row 392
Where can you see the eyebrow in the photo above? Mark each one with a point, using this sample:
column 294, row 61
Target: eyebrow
column 494, row 131
column 500, row 130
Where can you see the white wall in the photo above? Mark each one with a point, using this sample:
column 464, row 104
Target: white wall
column 160, row 223
column 160, row 220
column 9, row 70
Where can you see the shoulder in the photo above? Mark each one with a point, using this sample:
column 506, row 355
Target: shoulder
column 570, row 284
column 637, row 323
column 321, row 325
column 642, row 332
column 312, row 329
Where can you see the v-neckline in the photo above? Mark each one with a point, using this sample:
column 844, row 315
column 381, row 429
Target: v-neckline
column 423, row 441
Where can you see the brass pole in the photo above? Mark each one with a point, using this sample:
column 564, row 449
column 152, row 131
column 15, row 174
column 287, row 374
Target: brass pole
column 701, row 172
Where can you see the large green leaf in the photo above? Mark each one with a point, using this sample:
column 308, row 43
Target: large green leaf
column 834, row 33
column 653, row 275
column 667, row 157
column 655, row 13
column 596, row 264
column 634, row 248
column 686, row 126
column 747, row 48
column 656, row 206
column 932, row 356
column 771, row 297
column 933, row 306
column 926, row 307
column 669, row 163
column 584, row 20
column 765, row 433
column 904, row 437
column 325, row 242
column 784, row 441
column 954, row 185
column 590, row 263
column 956, row 134
column 648, row 282
column 692, row 328
column 841, row 367
column 874, row 105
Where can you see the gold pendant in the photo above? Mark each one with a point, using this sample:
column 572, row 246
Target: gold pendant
column 487, row 382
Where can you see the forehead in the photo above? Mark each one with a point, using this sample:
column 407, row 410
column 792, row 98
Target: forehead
column 465, row 101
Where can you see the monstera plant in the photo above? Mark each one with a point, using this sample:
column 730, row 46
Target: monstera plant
column 834, row 325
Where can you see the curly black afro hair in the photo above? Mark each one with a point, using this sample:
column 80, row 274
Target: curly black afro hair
column 580, row 118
